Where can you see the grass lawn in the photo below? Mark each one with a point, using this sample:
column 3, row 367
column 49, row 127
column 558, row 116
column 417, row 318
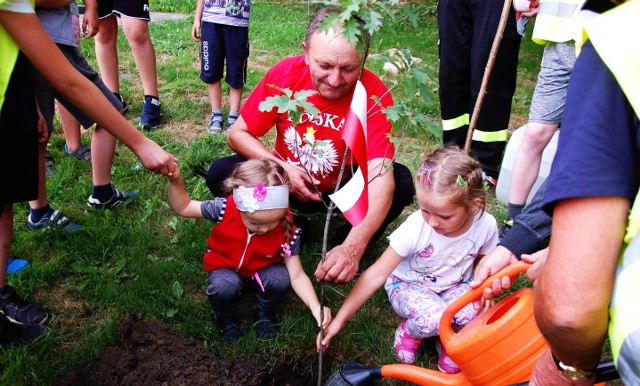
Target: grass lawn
column 143, row 258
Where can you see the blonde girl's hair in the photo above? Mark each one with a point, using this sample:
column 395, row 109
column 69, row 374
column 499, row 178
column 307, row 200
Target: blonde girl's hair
column 260, row 171
column 452, row 173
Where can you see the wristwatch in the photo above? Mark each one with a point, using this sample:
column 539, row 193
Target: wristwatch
column 573, row 373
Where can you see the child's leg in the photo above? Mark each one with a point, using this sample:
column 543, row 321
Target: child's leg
column 144, row 54
column 215, row 97
column 41, row 215
column 421, row 306
column 107, row 53
column 421, row 309
column 237, row 54
column 224, row 287
column 467, row 313
column 211, row 71
column 235, row 96
column 272, row 283
column 70, row 128
column 103, row 146
column 41, row 201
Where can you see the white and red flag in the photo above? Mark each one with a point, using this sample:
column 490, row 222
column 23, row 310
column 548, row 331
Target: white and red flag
column 353, row 198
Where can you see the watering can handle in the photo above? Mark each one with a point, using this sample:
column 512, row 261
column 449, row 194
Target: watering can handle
column 512, row 270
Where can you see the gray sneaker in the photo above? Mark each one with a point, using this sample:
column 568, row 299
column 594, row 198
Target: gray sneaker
column 215, row 125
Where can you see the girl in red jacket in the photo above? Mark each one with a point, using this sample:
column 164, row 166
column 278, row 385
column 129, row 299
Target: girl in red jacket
column 253, row 248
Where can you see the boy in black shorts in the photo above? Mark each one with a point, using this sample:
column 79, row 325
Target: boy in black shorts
column 134, row 16
column 222, row 28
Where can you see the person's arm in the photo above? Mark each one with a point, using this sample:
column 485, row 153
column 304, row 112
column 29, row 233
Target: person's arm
column 197, row 21
column 530, row 233
column 249, row 146
column 303, row 287
column 341, row 263
column 370, row 281
column 179, row 198
column 90, row 21
column 572, row 309
column 56, row 69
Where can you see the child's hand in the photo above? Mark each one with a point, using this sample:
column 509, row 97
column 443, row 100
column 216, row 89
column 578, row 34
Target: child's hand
column 175, row 174
column 327, row 317
column 329, row 332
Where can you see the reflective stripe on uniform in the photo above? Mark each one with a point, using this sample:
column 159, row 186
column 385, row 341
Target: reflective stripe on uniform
column 8, row 56
column 557, row 22
column 455, row 123
column 614, row 35
column 490, row 136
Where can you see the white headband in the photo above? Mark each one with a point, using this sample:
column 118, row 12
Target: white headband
column 261, row 198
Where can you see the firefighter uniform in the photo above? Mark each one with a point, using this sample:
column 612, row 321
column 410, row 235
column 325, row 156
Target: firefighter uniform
column 467, row 29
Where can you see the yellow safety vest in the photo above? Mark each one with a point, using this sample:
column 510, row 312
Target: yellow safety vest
column 556, row 21
column 615, row 36
column 8, row 56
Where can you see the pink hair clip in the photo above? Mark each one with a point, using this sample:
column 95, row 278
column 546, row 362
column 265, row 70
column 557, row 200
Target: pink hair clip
column 427, row 170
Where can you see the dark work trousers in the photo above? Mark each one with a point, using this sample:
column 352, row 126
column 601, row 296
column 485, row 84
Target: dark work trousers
column 402, row 196
column 467, row 29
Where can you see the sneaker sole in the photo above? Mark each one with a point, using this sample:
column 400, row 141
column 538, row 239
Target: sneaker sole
column 101, row 206
column 43, row 321
column 147, row 127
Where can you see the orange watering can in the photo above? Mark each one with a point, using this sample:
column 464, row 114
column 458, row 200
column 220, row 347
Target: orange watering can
column 500, row 347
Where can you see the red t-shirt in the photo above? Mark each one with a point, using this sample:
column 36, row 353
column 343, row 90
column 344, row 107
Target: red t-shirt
column 316, row 144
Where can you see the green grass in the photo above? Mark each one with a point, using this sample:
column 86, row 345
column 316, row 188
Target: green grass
column 143, row 258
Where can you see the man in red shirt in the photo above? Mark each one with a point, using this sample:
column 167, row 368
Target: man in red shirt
column 312, row 150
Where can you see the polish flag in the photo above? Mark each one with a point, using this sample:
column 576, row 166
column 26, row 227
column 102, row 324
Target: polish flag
column 353, row 198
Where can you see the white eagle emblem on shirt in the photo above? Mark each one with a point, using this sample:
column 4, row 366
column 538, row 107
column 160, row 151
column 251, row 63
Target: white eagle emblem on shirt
column 316, row 156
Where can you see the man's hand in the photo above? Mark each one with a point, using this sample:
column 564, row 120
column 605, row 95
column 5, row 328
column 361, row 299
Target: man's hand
column 497, row 259
column 339, row 266
column 299, row 183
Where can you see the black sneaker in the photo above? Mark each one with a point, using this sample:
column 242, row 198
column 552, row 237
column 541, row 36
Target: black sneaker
column 229, row 330
column 18, row 310
column 53, row 219
column 115, row 201
column 265, row 325
column 150, row 118
column 16, row 334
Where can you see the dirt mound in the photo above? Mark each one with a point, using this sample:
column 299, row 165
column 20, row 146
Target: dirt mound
column 150, row 353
